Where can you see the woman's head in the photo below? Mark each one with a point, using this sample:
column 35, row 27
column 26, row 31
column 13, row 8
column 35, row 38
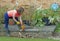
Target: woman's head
column 20, row 10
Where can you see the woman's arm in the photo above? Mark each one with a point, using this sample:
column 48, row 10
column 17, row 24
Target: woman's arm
column 22, row 25
column 21, row 20
column 14, row 18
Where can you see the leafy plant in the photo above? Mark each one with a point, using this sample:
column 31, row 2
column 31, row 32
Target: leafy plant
column 53, row 16
column 37, row 18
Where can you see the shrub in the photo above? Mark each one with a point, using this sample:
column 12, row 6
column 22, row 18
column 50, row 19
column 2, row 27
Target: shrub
column 2, row 11
column 53, row 16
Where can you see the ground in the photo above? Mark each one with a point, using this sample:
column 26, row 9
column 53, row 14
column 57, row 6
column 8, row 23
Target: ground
column 24, row 39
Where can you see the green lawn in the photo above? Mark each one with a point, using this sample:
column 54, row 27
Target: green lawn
column 24, row 39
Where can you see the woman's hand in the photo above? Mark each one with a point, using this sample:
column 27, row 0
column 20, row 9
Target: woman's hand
column 23, row 27
column 17, row 22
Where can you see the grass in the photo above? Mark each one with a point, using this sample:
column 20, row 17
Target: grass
column 24, row 39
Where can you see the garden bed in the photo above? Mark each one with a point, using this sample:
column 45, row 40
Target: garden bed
column 35, row 32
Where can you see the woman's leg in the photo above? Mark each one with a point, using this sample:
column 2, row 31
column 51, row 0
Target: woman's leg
column 6, row 20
